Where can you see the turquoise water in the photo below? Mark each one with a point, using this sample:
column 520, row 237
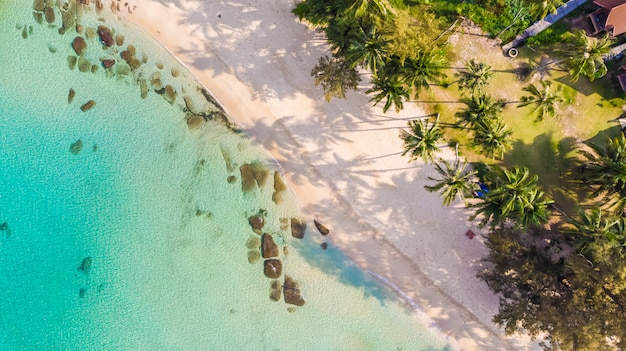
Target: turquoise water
column 137, row 240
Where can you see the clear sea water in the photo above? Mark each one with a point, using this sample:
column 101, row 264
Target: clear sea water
column 148, row 201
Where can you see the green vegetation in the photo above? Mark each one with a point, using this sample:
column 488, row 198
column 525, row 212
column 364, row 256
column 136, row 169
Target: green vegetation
column 553, row 205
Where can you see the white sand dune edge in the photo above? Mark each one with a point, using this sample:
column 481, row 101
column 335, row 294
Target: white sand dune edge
column 342, row 159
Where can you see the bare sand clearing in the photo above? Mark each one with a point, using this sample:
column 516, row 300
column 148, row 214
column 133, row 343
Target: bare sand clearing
column 342, row 159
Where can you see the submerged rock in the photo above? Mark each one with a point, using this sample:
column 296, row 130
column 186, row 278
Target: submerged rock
column 70, row 96
column 143, row 86
column 39, row 5
column 261, row 173
column 119, row 39
column 85, row 265
column 229, row 163
column 107, row 63
column 248, row 182
column 279, row 188
column 76, row 147
column 253, row 243
column 195, row 122
column 291, row 292
column 170, row 94
column 83, row 64
column 71, row 61
column 106, row 36
column 275, row 290
column 88, row 106
column 268, row 247
column 272, row 268
column 298, row 228
column 254, row 256
column 231, row 179
column 38, row 16
column 49, row 14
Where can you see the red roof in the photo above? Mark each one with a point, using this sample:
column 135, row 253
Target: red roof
column 616, row 20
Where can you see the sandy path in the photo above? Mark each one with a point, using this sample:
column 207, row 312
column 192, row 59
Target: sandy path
column 342, row 159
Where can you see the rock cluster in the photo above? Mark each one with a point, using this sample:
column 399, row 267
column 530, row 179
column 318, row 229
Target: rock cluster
column 298, row 228
column 291, row 292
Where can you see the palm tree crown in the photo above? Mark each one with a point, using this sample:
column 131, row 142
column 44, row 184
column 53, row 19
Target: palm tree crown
column 421, row 140
column 479, row 107
column 475, row 76
column 390, row 88
column 493, row 137
column 585, row 56
column 454, row 182
column 423, row 69
column 368, row 51
column 544, row 100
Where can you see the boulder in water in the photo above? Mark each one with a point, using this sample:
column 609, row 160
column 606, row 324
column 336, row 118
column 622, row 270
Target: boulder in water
column 85, row 265
column 257, row 222
column 322, row 228
column 248, row 182
column 291, row 292
column 79, row 45
column 268, row 247
column 76, row 147
column 106, row 36
column 88, row 106
column 70, row 96
column 275, row 290
column 195, row 122
column 272, row 268
column 261, row 173
column 254, row 256
column 298, row 228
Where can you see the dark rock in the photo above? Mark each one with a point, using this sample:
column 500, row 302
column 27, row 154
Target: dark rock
column 134, row 63
column 38, row 17
column 248, row 182
column 68, row 17
column 291, row 292
column 119, row 40
column 48, row 13
column 79, row 45
column 231, row 179
column 76, row 148
column 88, row 106
column 125, row 56
column 275, row 290
column 85, row 266
column 107, row 63
column 94, row 68
column 323, row 230
column 268, row 247
column 272, row 268
column 131, row 50
column 71, row 61
column 24, row 33
column 70, row 96
column 254, row 256
column 324, row 246
column 261, row 173
column 82, row 292
column 298, row 228
column 257, row 222
column 106, row 36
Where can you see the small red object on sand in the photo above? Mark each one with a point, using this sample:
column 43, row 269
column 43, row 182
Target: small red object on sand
column 470, row 234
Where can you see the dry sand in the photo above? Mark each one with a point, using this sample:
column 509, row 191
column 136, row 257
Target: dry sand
column 342, row 159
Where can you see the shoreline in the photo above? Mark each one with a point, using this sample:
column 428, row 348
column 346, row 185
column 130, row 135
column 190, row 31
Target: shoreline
column 341, row 159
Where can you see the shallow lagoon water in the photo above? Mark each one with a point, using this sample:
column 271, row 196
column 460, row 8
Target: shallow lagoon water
column 148, row 201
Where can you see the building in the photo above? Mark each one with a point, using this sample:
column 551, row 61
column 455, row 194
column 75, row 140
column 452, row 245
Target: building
column 610, row 17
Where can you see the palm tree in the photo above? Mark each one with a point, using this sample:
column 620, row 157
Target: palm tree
column 390, row 88
column 592, row 225
column 475, row 76
column 480, row 107
column 359, row 8
column 514, row 196
column 455, row 181
column 421, row 140
column 368, row 52
column 605, row 170
column 544, row 100
column 423, row 69
column 493, row 137
column 544, row 7
column 585, row 56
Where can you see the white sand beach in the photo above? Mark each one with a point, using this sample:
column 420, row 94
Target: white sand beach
column 342, row 159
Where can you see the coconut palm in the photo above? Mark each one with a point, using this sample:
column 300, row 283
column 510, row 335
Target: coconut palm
column 454, row 182
column 493, row 137
column 479, row 107
column 475, row 76
column 368, row 52
column 421, row 140
column 591, row 225
column 544, row 100
column 585, row 56
column 390, row 88
column 423, row 69
column 360, row 8
column 514, row 196
column 543, row 7
column 605, row 169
